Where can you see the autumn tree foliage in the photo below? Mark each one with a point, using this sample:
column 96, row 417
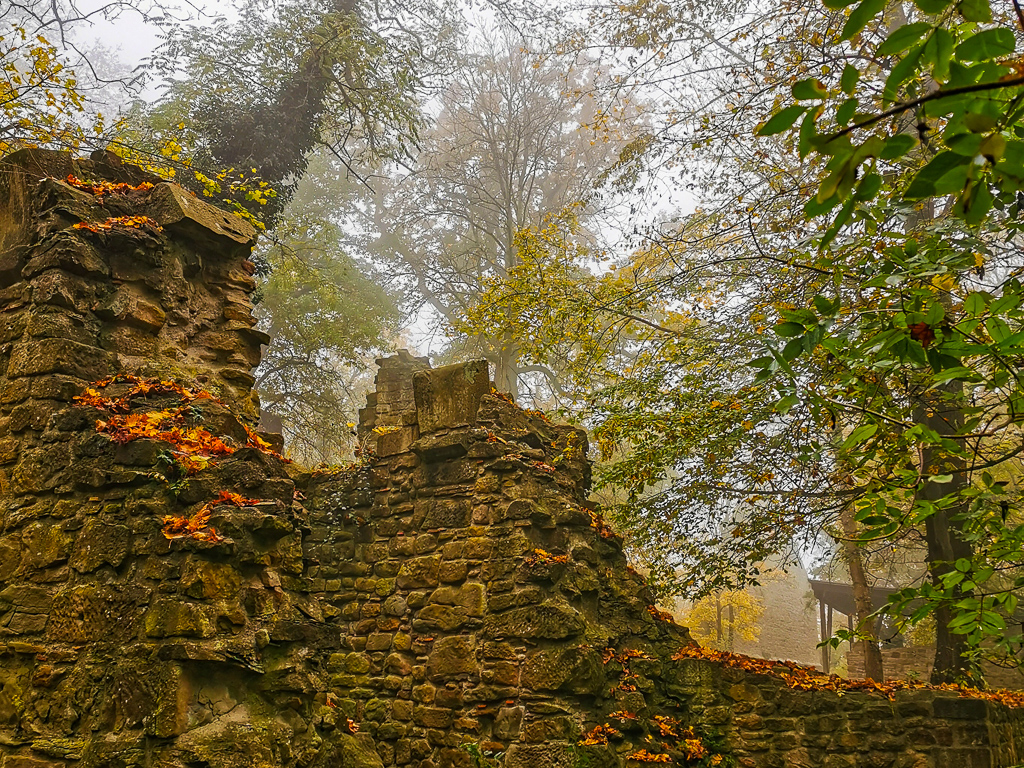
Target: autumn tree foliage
column 720, row 619
column 841, row 356
column 919, row 192
column 48, row 78
column 257, row 95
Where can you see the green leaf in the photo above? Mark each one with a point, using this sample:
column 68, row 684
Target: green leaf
column 987, row 44
column 979, row 122
column 903, row 37
column 808, row 89
column 979, row 205
column 1013, row 159
column 993, row 147
column 966, row 144
column 940, row 479
column 809, row 131
column 997, row 329
column 849, row 79
column 944, row 44
column 814, row 207
column 835, row 182
column 787, row 330
column 859, row 435
column 793, row 349
column 844, row 215
column 953, row 373
column 923, row 184
column 1007, row 301
column 786, row 404
column 974, row 304
column 845, row 111
column 954, row 180
column 936, row 312
column 868, row 187
column 782, row 121
column 975, row 10
column 897, row 146
column 860, row 16
column 824, row 306
column 903, row 71
column 963, row 565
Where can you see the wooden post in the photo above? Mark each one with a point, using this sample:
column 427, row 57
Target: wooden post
column 824, row 637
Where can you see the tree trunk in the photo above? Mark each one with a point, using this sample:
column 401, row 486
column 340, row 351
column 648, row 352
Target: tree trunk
column 943, row 532
column 939, row 409
column 506, row 373
column 861, row 597
column 292, row 118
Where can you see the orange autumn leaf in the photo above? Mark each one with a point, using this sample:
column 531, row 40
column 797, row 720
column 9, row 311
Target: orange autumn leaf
column 596, row 521
column 101, row 188
column 643, row 756
column 661, row 615
column 667, row 726
column 694, row 749
column 130, row 222
column 540, row 556
column 921, row 332
column 622, row 715
column 167, row 425
column 810, row 679
column 198, row 525
column 227, row 497
column 598, row 736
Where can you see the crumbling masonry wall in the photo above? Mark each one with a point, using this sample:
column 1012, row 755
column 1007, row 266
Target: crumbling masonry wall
column 453, row 600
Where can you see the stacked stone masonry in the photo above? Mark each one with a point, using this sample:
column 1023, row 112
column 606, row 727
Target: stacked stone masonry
column 451, row 601
column 915, row 663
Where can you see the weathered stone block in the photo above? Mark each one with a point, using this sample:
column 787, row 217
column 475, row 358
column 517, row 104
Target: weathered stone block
column 172, row 617
column 452, row 657
column 471, row 597
column 450, row 396
column 33, row 358
column 100, row 543
column 419, row 572
column 210, row 580
column 577, row 669
column 534, row 755
column 172, row 207
column 549, row 621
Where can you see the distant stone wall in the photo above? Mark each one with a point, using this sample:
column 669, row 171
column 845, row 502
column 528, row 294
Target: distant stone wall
column 788, row 628
column 916, row 662
column 451, row 601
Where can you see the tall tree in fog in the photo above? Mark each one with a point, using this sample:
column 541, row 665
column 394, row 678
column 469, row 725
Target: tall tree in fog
column 513, row 142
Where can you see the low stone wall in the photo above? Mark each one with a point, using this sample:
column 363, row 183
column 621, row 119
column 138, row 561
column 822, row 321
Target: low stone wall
column 915, row 663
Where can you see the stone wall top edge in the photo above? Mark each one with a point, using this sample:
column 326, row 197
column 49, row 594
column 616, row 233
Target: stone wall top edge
column 170, row 205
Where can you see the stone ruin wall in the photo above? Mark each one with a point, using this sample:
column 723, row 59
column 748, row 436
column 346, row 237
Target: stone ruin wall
column 916, row 661
column 453, row 596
